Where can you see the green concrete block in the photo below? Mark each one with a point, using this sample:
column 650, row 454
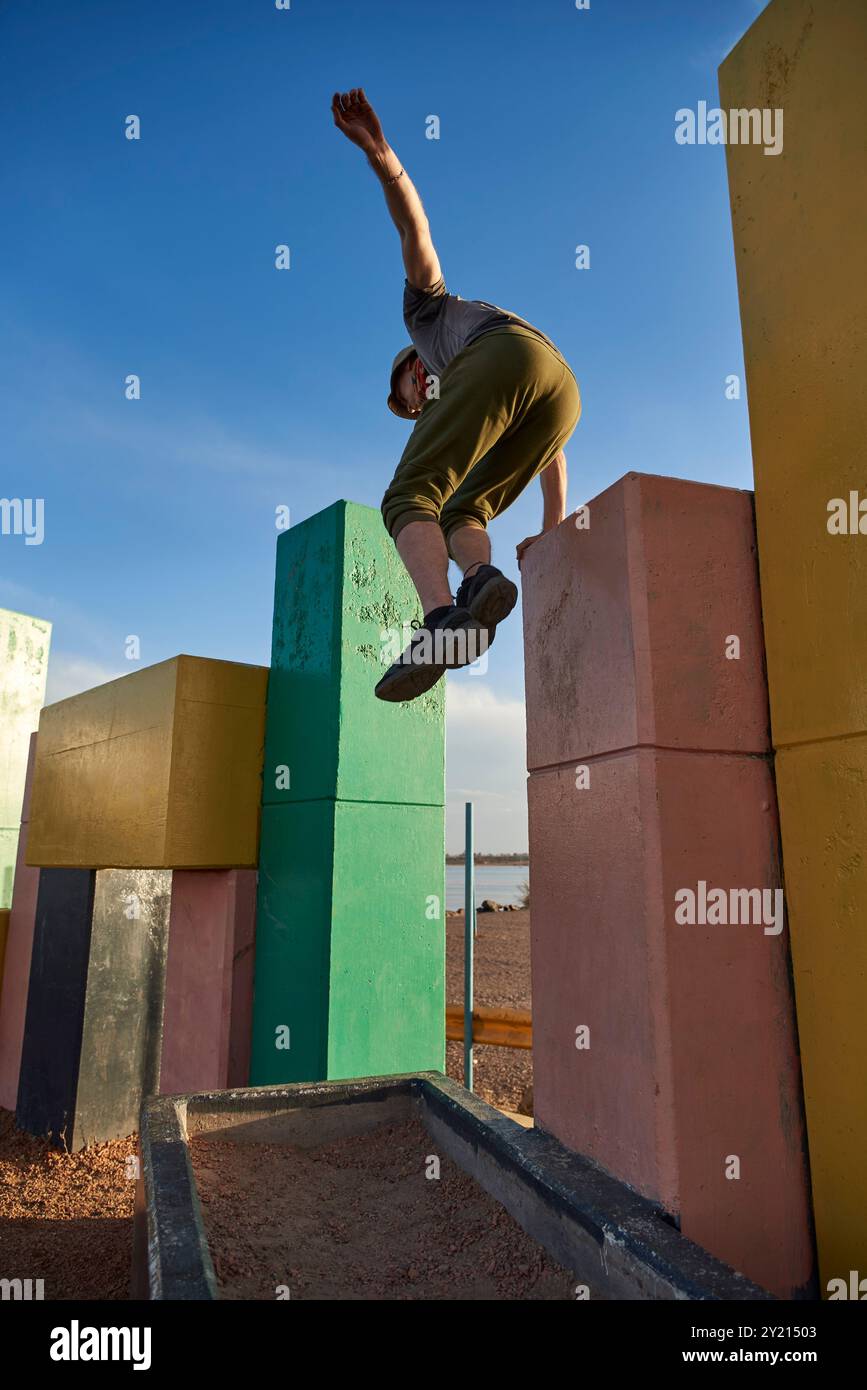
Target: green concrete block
column 350, row 948
column 24, row 643
column 350, row 937
column 340, row 585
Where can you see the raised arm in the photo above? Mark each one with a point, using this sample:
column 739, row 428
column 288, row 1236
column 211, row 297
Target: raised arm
column 356, row 118
column 553, row 481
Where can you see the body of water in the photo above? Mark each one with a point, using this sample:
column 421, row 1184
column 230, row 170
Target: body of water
column 500, row 882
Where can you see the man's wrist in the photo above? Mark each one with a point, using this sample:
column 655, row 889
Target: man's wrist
column 381, row 158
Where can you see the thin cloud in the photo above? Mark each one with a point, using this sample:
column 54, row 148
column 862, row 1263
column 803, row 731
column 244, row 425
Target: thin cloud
column 70, row 675
column 199, row 444
column 485, row 764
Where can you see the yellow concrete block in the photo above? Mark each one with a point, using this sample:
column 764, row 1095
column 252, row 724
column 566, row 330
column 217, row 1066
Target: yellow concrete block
column 4, row 932
column 799, row 220
column 161, row 769
column 823, row 805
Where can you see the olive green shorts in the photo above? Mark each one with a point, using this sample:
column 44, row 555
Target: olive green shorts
column 507, row 405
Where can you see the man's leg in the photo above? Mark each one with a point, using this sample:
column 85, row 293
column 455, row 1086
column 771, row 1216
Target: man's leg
column 449, row 637
column 485, row 592
column 422, row 547
column 470, row 547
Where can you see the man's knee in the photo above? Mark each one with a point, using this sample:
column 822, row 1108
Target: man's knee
column 398, row 512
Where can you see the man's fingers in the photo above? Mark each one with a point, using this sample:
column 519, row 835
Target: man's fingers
column 523, row 547
column 349, row 106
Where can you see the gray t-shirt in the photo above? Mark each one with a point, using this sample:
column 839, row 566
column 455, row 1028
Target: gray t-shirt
column 441, row 324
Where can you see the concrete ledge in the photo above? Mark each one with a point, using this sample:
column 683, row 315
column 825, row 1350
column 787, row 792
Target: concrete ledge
column 608, row 1235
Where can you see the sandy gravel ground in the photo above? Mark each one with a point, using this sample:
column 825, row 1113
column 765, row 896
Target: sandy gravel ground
column 502, row 977
column 361, row 1219
column 65, row 1218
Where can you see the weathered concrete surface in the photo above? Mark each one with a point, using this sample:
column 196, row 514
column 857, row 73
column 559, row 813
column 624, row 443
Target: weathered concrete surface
column 160, row 769
column 24, row 644
column 806, row 360
column 19, row 946
column 209, row 980
column 597, row 1227
column 340, row 588
column 350, row 945
column 93, row 1029
column 642, row 786
column 123, row 1017
column 647, row 667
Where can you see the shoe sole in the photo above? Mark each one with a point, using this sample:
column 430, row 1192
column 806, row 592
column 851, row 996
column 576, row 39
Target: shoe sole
column 412, row 680
column 408, row 684
column 495, row 601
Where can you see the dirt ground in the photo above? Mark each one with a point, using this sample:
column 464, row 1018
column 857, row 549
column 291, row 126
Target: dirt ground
column 502, row 978
column 360, row 1219
column 67, row 1218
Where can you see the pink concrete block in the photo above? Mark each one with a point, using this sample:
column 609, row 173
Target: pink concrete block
column 693, row 1054
column 626, row 625
column 209, row 981
column 19, row 948
column 645, row 784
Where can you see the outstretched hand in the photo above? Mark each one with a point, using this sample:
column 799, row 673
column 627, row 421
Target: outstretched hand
column 354, row 115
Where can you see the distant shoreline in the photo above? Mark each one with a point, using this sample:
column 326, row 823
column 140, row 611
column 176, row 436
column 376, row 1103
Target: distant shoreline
column 516, row 861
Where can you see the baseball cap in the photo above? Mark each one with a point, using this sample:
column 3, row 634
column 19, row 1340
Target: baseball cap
column 394, row 404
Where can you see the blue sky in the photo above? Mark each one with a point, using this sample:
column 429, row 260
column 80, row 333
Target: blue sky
column 262, row 387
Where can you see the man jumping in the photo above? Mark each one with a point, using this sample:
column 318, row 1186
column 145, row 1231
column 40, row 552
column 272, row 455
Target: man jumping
column 494, row 403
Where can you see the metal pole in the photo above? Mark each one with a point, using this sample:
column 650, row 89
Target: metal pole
column 469, row 934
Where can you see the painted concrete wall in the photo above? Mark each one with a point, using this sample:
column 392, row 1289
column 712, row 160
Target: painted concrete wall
column 799, row 224
column 664, row 1050
column 19, row 947
column 350, row 930
column 56, row 996
column 160, row 769
column 24, row 644
column 209, row 981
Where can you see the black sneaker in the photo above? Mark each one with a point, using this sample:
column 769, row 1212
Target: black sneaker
column 448, row 638
column 488, row 595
